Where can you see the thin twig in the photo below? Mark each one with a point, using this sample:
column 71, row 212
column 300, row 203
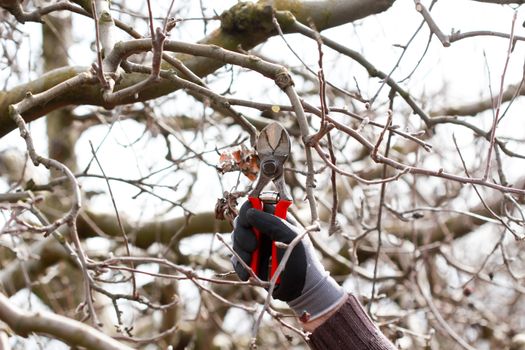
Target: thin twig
column 334, row 224
column 372, row 71
column 434, row 28
column 303, row 125
column 381, row 136
column 253, row 275
column 328, row 162
column 380, row 205
column 496, row 216
column 119, row 221
column 499, row 101
column 275, row 22
column 99, row 67
column 442, row 322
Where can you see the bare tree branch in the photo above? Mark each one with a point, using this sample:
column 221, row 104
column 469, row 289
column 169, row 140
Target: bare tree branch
column 230, row 36
column 70, row 331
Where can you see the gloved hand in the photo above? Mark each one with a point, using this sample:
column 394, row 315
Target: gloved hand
column 305, row 284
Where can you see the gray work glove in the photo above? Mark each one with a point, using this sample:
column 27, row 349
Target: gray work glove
column 305, row 284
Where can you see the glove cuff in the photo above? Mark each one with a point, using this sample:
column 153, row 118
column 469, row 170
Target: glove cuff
column 322, row 298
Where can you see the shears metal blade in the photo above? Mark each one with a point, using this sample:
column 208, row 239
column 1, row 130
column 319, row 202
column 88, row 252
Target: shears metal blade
column 273, row 148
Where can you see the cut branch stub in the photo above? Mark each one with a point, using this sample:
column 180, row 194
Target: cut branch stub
column 283, row 79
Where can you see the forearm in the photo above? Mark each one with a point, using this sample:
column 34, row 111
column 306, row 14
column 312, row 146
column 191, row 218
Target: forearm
column 346, row 327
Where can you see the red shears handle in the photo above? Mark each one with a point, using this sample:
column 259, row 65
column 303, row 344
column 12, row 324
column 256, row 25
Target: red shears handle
column 281, row 209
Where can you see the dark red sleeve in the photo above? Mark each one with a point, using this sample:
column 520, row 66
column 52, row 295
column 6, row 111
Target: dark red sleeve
column 349, row 328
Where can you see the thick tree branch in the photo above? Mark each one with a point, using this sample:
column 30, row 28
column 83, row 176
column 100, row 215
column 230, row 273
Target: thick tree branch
column 326, row 14
column 458, row 225
column 474, row 108
column 48, row 252
column 70, row 331
column 243, row 26
column 155, row 231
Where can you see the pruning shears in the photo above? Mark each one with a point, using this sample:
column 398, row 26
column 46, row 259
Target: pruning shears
column 273, row 148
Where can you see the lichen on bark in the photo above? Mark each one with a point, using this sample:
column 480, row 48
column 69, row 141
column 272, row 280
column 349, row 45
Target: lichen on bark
column 247, row 17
